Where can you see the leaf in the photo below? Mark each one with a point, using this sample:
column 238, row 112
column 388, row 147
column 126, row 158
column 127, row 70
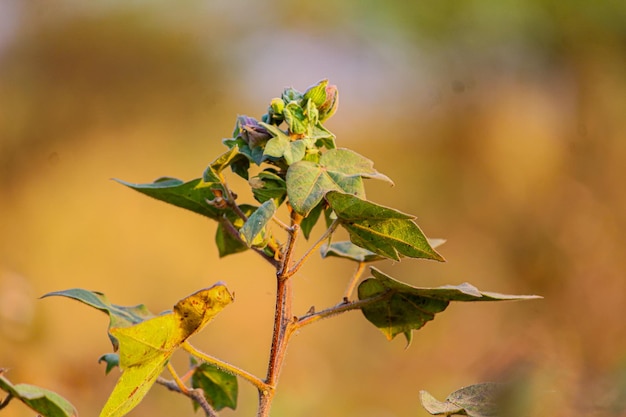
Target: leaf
column 281, row 146
column 119, row 316
column 145, row 348
column 226, row 243
column 268, row 185
column 212, row 173
column 111, row 359
column 311, row 220
column 220, row 388
column 338, row 170
column 382, row 230
column 480, row 400
column 44, row 402
column 349, row 250
column 186, row 195
column 295, row 118
column 256, row 223
column 402, row 308
column 316, row 93
column 291, row 94
column 436, row 407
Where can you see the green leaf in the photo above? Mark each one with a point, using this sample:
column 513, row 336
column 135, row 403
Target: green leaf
column 291, row 94
column 269, row 185
column 186, row 195
column 145, row 348
column 322, row 136
column 111, row 359
column 281, row 146
column 311, row 220
column 349, row 250
column 220, row 388
column 317, row 93
column 480, row 400
column 256, row 223
column 295, row 118
column 212, row 172
column 338, row 170
column 42, row 401
column 382, row 230
column 119, row 316
column 402, row 308
column 226, row 243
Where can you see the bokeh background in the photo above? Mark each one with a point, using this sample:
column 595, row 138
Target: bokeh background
column 501, row 122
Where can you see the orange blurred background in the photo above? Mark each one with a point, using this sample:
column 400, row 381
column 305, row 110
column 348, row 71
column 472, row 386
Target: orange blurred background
column 501, row 123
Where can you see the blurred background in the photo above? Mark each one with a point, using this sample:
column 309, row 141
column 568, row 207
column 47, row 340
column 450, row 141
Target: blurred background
column 501, row 123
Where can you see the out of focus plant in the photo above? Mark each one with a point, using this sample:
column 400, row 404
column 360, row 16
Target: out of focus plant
column 292, row 163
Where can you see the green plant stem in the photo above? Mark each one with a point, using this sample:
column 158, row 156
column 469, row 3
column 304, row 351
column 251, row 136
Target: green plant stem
column 354, row 280
column 227, row 367
column 196, row 395
column 312, row 249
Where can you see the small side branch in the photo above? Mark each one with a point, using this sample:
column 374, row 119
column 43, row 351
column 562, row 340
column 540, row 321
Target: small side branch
column 354, row 280
column 231, row 369
column 196, row 395
column 338, row 309
column 312, row 249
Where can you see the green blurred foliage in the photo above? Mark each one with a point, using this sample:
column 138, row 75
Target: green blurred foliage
column 501, row 124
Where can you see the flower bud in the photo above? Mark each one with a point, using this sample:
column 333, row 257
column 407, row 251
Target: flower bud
column 252, row 132
column 329, row 107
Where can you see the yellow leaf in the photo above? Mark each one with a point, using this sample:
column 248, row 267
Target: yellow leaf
column 145, row 348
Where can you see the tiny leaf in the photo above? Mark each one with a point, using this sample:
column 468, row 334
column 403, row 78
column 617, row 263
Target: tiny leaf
column 111, row 359
column 311, row 219
column 402, row 308
column 44, row 402
column 188, row 195
column 317, row 93
column 382, row 230
column 268, row 185
column 212, row 172
column 257, row 221
column 220, row 388
column 295, row 118
column 226, row 243
column 349, row 250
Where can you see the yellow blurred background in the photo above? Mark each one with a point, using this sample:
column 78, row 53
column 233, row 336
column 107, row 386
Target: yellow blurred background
column 501, row 123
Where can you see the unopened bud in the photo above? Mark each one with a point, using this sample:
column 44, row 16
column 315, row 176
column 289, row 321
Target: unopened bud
column 329, row 107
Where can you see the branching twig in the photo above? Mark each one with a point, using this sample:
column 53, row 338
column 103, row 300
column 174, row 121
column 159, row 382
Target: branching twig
column 312, row 249
column 196, row 395
column 354, row 280
column 226, row 367
column 333, row 311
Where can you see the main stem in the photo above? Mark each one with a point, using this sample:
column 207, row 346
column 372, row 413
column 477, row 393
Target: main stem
column 283, row 320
